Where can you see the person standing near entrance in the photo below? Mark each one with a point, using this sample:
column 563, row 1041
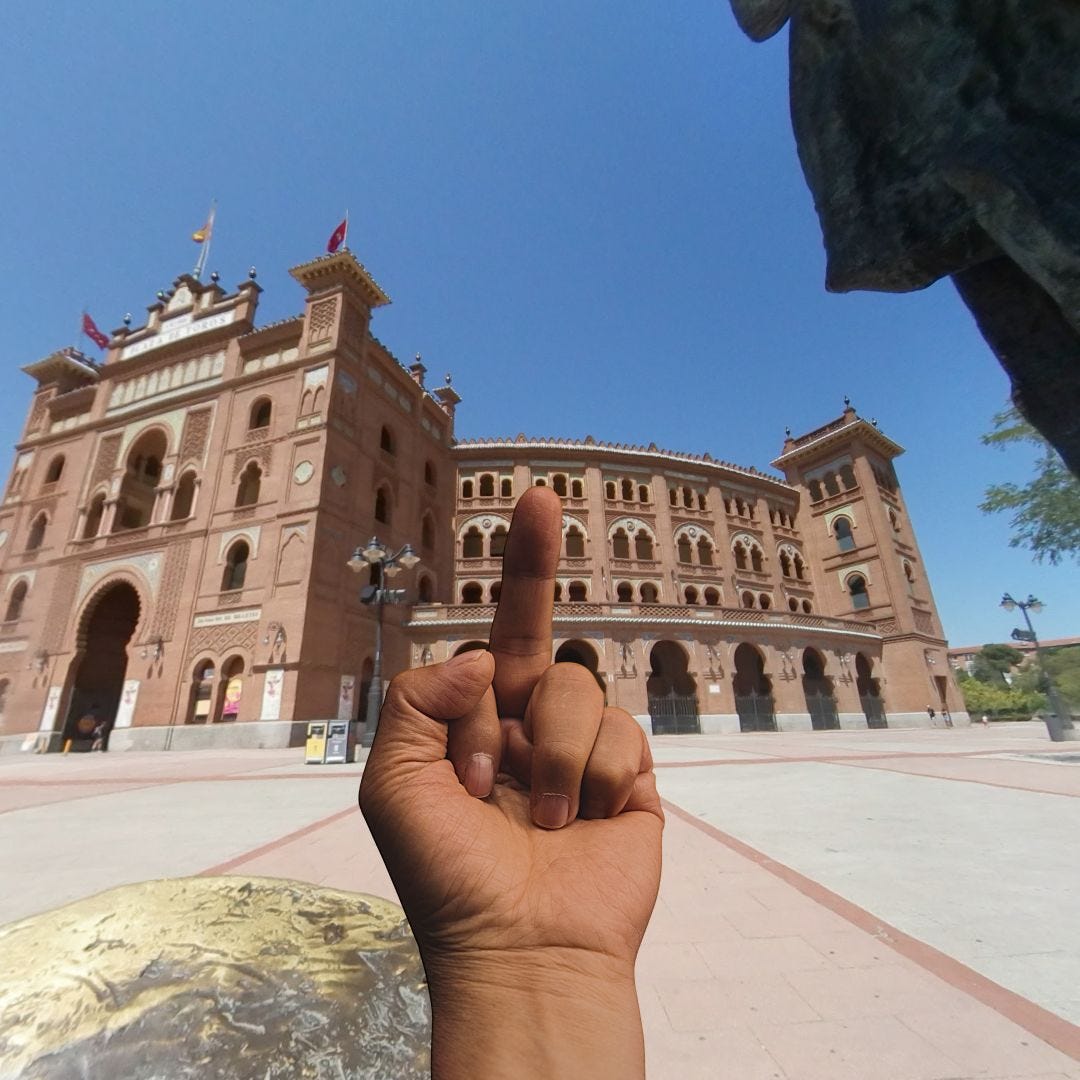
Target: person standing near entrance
column 99, row 736
column 930, row 712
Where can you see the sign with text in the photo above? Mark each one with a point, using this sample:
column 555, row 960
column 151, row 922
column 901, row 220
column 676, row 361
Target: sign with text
column 337, row 743
column 125, row 713
column 273, row 683
column 223, row 618
column 52, row 707
column 177, row 329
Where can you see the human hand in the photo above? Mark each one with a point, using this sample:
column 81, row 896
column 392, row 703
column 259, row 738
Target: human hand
column 535, row 890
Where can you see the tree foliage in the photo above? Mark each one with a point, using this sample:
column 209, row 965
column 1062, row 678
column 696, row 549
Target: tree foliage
column 1046, row 510
column 992, row 662
column 980, row 697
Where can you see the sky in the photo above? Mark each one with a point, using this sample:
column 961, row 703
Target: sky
column 591, row 214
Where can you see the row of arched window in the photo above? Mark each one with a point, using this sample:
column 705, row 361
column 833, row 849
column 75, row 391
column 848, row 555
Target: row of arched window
column 627, row 491
column 688, row 498
column 484, row 487
column 829, row 483
column 737, row 506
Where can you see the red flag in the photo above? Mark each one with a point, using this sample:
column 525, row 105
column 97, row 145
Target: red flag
column 89, row 328
column 337, row 237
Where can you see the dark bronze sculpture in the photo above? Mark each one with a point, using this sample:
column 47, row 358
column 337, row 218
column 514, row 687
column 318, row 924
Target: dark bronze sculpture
column 942, row 137
column 227, row 977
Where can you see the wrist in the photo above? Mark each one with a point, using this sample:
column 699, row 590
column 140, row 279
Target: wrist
column 556, row 1012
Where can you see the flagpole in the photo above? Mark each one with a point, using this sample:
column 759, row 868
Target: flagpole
column 204, row 247
column 345, row 242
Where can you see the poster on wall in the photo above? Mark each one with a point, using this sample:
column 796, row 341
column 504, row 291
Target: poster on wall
column 125, row 713
column 346, row 697
column 234, row 691
column 273, row 681
column 52, row 707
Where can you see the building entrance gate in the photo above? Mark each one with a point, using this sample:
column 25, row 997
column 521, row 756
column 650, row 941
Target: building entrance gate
column 818, row 691
column 757, row 712
column 869, row 693
column 674, row 714
column 753, row 691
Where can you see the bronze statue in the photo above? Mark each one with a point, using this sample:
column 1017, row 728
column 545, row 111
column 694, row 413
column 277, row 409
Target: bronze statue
column 942, row 137
column 232, row 977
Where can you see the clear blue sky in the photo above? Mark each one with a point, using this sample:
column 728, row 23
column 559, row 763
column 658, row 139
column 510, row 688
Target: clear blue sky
column 591, row 213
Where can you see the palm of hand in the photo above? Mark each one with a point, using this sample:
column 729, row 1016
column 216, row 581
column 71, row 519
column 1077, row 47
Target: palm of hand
column 482, row 878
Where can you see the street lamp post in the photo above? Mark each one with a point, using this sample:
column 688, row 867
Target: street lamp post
column 376, row 555
column 1059, row 723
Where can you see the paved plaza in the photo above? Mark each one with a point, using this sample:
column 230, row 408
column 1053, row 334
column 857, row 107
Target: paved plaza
column 875, row 905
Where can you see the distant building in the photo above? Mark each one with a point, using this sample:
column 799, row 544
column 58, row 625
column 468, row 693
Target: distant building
column 175, row 533
column 962, row 657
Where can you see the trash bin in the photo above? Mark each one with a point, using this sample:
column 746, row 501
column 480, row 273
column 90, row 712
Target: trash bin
column 337, row 743
column 315, row 748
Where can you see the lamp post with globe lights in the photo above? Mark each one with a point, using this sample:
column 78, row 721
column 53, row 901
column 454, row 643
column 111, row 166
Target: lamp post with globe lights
column 375, row 554
column 1059, row 723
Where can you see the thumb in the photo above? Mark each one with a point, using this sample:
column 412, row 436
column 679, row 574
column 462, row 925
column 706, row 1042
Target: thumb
column 412, row 723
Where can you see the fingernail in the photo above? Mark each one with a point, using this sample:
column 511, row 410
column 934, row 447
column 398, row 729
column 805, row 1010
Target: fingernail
column 469, row 657
column 480, row 776
column 551, row 811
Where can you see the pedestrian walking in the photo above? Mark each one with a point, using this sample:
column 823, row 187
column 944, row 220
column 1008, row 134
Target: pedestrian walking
column 930, row 712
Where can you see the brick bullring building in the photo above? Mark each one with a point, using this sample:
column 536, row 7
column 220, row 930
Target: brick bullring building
column 176, row 529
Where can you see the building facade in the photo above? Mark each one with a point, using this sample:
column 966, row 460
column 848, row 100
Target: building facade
column 177, row 526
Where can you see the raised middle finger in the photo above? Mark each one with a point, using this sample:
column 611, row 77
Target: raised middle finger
column 521, row 629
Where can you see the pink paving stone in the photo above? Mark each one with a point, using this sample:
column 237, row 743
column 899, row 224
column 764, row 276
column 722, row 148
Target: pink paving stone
column 671, row 960
column 21, row 796
column 802, row 919
column 730, row 1003
column 880, row 1048
column 852, row 948
column 883, row 990
column 985, row 1042
column 731, row 1054
column 745, row 958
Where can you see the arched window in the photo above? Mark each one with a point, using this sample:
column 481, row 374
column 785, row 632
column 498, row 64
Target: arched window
column 576, row 592
column 909, row 573
column 427, row 532
column 382, row 506
column 496, row 591
column 558, row 592
column 702, row 503
column 807, row 607
column 575, row 543
column 625, row 592
column 94, row 516
column 727, row 504
column 649, row 593
column 643, row 493
column 55, row 470
column 785, row 564
column 793, row 604
column 685, row 549
column 429, row 474
column 472, row 544
column 15, row 602
column 506, row 487
column 487, row 486
column 756, row 561
column 740, row 508
column 894, row 521
column 386, row 441
column 831, row 486
column 643, row 545
column 577, row 489
column 466, row 489
column 748, row 599
column 609, row 489
column 816, row 494
column 620, row 545
column 540, row 481
column 712, row 597
column 687, row 498
column 740, row 555
column 235, row 566
column 37, row 532
column 847, row 477
column 860, row 598
column 184, row 499
column 673, row 496
column 800, row 567
column 842, row 531
column 472, row 593
column 425, row 590
column 628, row 490
column 691, row 594
column 558, row 485
column 247, row 493
column 497, row 542
column 705, row 551
column 765, row 600
column 260, row 414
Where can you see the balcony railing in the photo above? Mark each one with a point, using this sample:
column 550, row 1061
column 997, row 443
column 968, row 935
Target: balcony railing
column 700, row 614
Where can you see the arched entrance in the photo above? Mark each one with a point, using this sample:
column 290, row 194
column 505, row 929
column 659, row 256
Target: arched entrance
column 873, row 706
column 107, row 627
column 231, row 689
column 202, row 693
column 818, row 691
column 581, row 652
column 673, row 704
column 753, row 691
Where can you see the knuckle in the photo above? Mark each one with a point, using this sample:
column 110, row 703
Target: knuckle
column 557, row 760
column 611, row 776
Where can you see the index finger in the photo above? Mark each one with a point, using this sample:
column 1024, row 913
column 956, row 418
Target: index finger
column 521, row 630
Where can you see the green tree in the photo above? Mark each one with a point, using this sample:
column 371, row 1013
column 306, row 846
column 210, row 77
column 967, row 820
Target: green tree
column 980, row 697
column 1046, row 510
column 992, row 662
